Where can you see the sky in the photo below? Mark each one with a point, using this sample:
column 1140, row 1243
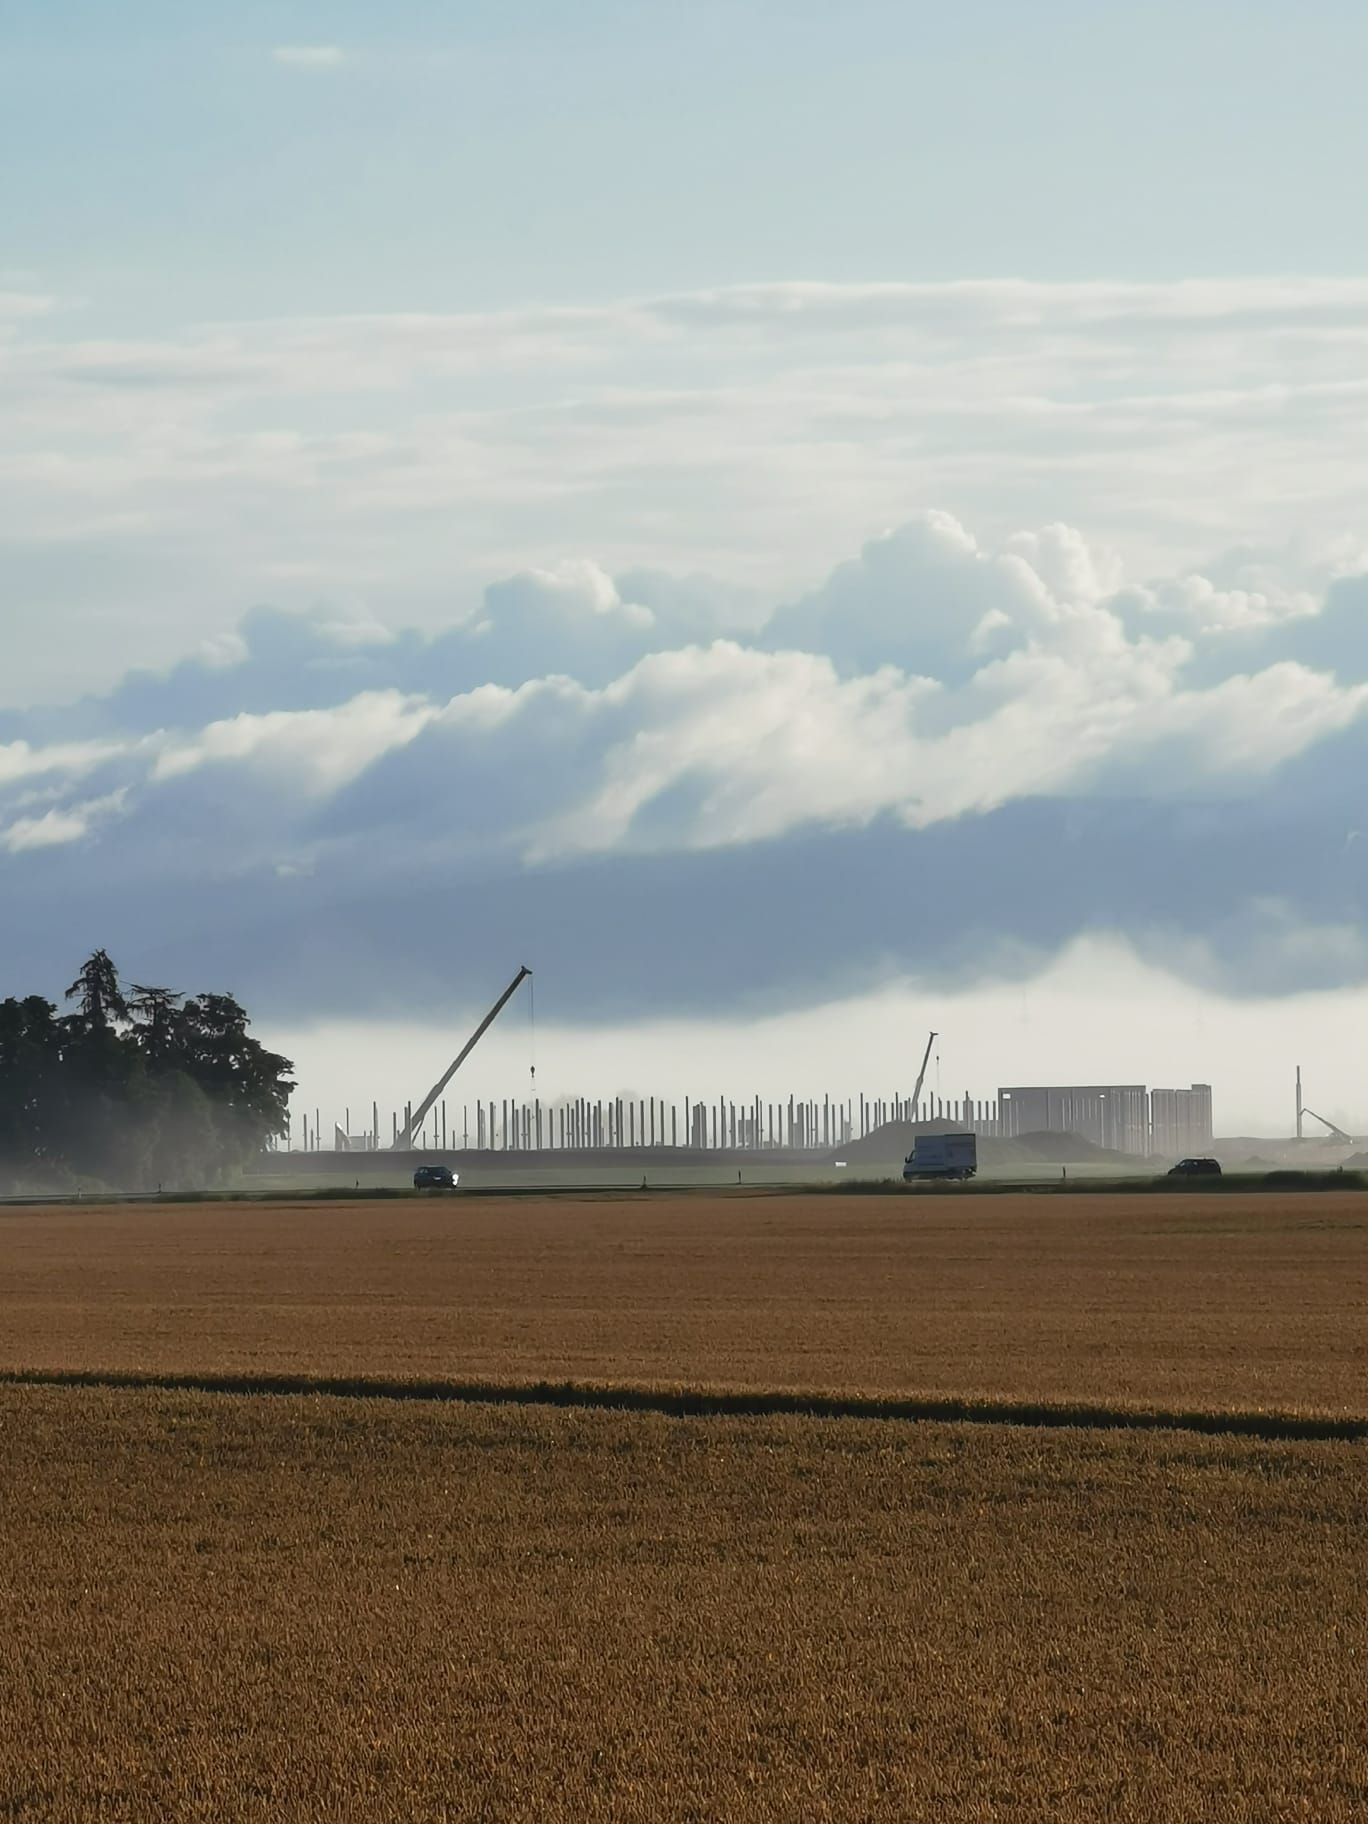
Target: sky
column 803, row 524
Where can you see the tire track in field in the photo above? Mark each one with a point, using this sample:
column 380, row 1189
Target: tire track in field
column 705, row 1402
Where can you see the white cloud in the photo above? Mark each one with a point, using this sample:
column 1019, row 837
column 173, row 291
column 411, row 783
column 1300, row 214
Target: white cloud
column 43, row 832
column 960, row 750
column 930, row 678
column 309, row 751
column 309, row 56
column 1195, row 604
column 20, row 760
column 153, row 486
column 59, row 826
column 1246, row 726
column 764, row 744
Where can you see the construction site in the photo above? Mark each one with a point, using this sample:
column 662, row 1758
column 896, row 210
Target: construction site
column 1019, row 1127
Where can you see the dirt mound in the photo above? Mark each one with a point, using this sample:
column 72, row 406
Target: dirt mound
column 884, row 1144
column 1058, row 1149
column 893, row 1141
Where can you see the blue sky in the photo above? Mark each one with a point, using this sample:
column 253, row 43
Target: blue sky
column 159, row 160
column 767, row 506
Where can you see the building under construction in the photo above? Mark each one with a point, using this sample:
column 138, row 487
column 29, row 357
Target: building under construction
column 1114, row 1115
column 1123, row 1118
column 1180, row 1120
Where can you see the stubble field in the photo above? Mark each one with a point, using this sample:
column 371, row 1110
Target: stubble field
column 248, row 1606
column 1247, row 1301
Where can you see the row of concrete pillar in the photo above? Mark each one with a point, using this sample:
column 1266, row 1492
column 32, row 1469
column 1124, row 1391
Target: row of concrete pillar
column 595, row 1124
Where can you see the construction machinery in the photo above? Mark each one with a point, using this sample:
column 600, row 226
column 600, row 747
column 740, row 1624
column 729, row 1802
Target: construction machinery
column 1336, row 1133
column 414, row 1124
column 921, row 1077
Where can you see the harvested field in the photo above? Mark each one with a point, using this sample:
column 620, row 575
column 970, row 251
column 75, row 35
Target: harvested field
column 223, row 1608
column 1242, row 1301
column 227, row 1606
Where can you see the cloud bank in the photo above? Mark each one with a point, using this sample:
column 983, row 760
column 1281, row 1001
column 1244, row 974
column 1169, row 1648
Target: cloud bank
column 152, row 485
column 953, row 754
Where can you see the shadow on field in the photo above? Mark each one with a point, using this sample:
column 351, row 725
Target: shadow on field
column 701, row 1402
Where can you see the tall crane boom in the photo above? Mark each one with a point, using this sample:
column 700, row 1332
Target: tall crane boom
column 921, row 1076
column 1336, row 1133
column 415, row 1123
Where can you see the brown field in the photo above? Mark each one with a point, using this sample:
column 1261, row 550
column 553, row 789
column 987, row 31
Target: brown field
column 1244, row 1300
column 222, row 1608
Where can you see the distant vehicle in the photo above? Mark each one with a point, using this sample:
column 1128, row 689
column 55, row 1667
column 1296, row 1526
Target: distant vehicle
column 1195, row 1168
column 434, row 1178
column 942, row 1156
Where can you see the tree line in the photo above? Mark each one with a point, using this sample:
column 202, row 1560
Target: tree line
column 133, row 1087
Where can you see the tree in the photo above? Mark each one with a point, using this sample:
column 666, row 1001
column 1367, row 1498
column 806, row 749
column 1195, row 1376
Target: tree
column 31, row 1089
column 133, row 1090
column 101, row 997
column 155, row 1013
column 248, row 1085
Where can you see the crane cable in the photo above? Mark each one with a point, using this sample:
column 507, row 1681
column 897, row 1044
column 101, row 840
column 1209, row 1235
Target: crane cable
column 532, row 1029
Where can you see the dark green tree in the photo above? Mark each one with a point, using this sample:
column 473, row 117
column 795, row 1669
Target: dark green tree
column 156, row 1017
column 133, row 1090
column 32, row 1092
column 248, row 1086
column 99, row 992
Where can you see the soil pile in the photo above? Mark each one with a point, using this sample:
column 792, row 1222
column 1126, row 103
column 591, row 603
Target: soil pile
column 893, row 1141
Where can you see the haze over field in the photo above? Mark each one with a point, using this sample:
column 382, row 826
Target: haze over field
column 802, row 524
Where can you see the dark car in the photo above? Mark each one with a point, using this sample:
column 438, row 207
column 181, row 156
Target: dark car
column 1196, row 1168
column 434, row 1178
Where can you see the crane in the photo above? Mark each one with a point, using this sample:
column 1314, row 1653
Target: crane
column 921, row 1077
column 1336, row 1133
column 415, row 1122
